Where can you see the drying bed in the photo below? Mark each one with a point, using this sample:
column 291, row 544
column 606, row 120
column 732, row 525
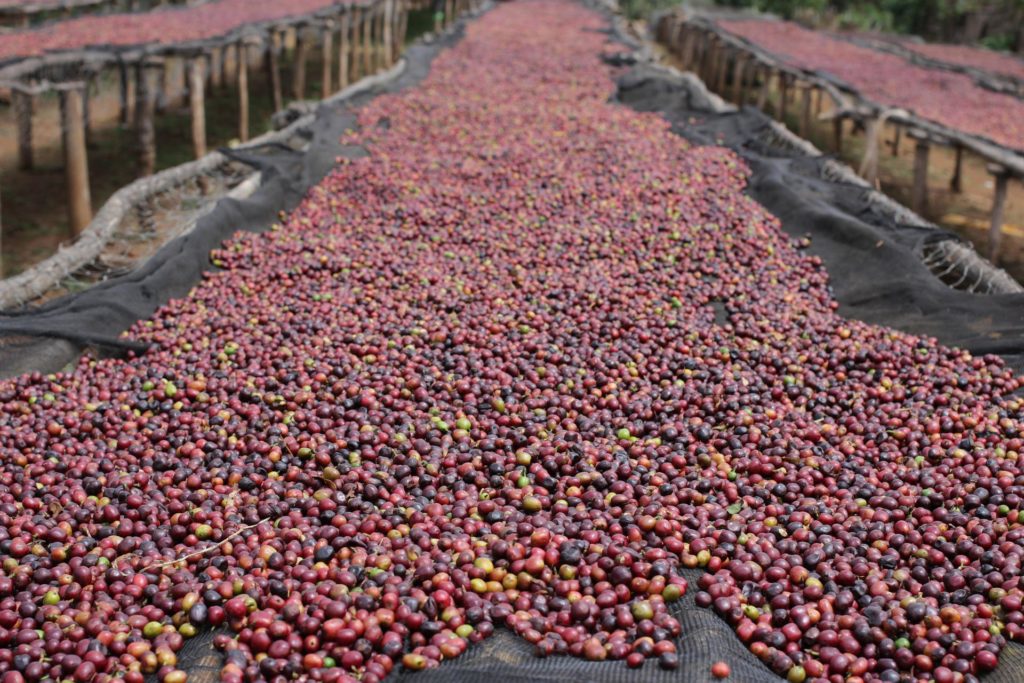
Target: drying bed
column 160, row 27
column 944, row 97
column 990, row 61
column 524, row 364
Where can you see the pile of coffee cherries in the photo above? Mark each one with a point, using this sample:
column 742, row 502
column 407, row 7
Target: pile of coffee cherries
column 518, row 367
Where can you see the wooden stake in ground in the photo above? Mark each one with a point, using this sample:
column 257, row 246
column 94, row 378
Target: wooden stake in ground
column 358, row 17
column 24, row 106
column 242, row 81
column 145, row 110
column 919, row 194
column 76, row 160
column 273, row 44
column 197, row 106
column 955, row 183
column 995, row 230
column 343, row 48
column 299, row 66
column 327, row 58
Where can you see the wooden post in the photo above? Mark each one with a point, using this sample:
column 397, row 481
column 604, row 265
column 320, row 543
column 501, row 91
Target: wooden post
column 387, row 35
column 689, row 47
column 869, row 166
column 76, row 159
column 403, row 28
column 737, row 77
column 242, row 80
column 783, row 96
column 956, row 182
column 197, row 106
column 449, row 12
column 837, row 134
column 24, row 105
column 87, row 108
column 766, row 84
column 216, row 74
column 895, row 143
column 145, row 110
column 368, row 42
column 919, row 196
column 806, row 92
column 327, row 59
column 343, row 48
column 299, row 66
column 127, row 93
column 163, row 94
column 357, row 42
column 710, row 61
column 723, row 72
column 995, row 230
column 273, row 43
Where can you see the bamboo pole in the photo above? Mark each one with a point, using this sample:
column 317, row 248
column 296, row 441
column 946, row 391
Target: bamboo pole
column 995, row 230
column 242, row 82
column 343, row 49
column 197, row 106
column 145, row 130
column 76, row 159
column 327, row 58
column 24, row 105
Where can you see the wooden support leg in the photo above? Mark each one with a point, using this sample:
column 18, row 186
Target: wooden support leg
column 76, row 160
column 762, row 92
column 145, row 131
column 387, row 34
column 197, row 106
column 895, row 144
column 343, row 48
column 163, row 95
column 273, row 66
column 869, row 166
column 737, row 78
column 126, row 94
column 723, row 73
column 24, row 105
column 783, row 96
column 837, row 134
column 995, row 230
column 357, row 44
column 403, row 29
column 243, row 91
column 806, row 93
column 956, row 182
column 327, row 59
column 919, row 196
column 216, row 69
column 299, row 67
column 367, row 43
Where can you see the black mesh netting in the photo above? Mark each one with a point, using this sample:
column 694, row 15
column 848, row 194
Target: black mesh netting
column 877, row 274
